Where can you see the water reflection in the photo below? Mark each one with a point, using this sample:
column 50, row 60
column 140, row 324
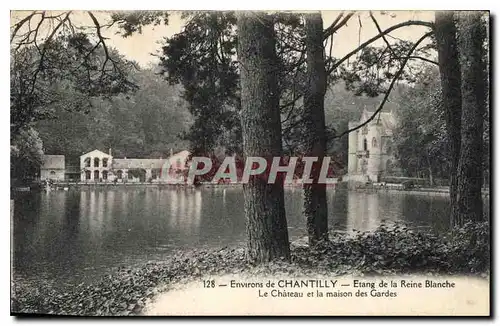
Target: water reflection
column 71, row 235
column 366, row 211
column 185, row 211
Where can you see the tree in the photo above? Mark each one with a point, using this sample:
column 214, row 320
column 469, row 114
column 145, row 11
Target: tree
column 47, row 48
column 25, row 155
column 464, row 95
column 446, row 41
column 315, row 205
column 472, row 35
column 421, row 142
column 202, row 58
column 267, row 233
column 146, row 123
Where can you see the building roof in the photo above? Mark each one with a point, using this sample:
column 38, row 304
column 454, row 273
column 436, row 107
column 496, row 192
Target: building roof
column 385, row 118
column 96, row 152
column 137, row 163
column 53, row 162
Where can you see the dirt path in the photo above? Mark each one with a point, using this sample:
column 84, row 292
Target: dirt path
column 469, row 296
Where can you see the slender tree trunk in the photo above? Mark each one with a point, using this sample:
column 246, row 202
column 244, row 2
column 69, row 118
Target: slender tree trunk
column 315, row 206
column 429, row 168
column 446, row 39
column 267, row 233
column 470, row 166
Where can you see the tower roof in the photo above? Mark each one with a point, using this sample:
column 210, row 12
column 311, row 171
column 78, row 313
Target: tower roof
column 386, row 119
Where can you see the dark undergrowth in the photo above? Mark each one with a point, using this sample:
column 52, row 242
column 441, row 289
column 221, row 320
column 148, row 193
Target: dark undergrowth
column 389, row 250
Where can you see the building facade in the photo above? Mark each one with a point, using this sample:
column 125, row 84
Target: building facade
column 97, row 166
column 370, row 148
column 53, row 167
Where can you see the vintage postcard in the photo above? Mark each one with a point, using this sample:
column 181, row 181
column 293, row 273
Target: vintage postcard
column 250, row 163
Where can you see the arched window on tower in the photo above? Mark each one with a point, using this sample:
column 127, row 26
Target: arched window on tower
column 365, row 144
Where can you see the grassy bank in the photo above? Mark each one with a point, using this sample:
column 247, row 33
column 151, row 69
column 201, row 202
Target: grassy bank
column 389, row 250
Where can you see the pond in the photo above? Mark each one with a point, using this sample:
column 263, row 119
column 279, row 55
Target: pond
column 66, row 237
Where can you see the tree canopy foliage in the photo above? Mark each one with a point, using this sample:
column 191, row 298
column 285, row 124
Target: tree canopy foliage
column 71, row 92
column 51, row 56
column 202, row 58
column 147, row 123
column 421, row 145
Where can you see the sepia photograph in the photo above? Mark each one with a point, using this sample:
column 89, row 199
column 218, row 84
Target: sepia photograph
column 250, row 163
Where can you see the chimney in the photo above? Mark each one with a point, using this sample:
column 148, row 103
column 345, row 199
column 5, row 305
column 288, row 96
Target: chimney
column 171, row 152
column 109, row 152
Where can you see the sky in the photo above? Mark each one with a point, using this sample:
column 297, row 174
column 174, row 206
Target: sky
column 360, row 28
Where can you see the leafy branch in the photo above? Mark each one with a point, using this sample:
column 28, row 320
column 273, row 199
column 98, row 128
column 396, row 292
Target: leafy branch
column 389, row 89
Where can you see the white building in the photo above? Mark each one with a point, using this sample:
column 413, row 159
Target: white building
column 370, row 148
column 97, row 166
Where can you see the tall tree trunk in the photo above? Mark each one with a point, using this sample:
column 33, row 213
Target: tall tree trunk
column 315, row 206
column 267, row 232
column 472, row 34
column 446, row 39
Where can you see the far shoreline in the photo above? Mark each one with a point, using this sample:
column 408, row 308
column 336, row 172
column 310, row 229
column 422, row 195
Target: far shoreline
column 66, row 185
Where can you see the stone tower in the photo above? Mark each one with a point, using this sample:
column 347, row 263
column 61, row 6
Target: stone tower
column 352, row 161
column 369, row 147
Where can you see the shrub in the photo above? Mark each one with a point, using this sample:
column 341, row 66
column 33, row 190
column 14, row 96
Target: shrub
column 397, row 248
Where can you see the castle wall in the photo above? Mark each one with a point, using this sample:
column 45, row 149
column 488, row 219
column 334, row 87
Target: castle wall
column 352, row 161
column 374, row 144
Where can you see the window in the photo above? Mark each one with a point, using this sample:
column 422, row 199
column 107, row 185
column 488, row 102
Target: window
column 155, row 173
column 104, row 162
column 119, row 174
column 87, row 174
column 374, row 142
column 96, row 162
column 52, row 173
column 96, row 175
column 365, row 144
column 105, row 175
column 87, row 162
